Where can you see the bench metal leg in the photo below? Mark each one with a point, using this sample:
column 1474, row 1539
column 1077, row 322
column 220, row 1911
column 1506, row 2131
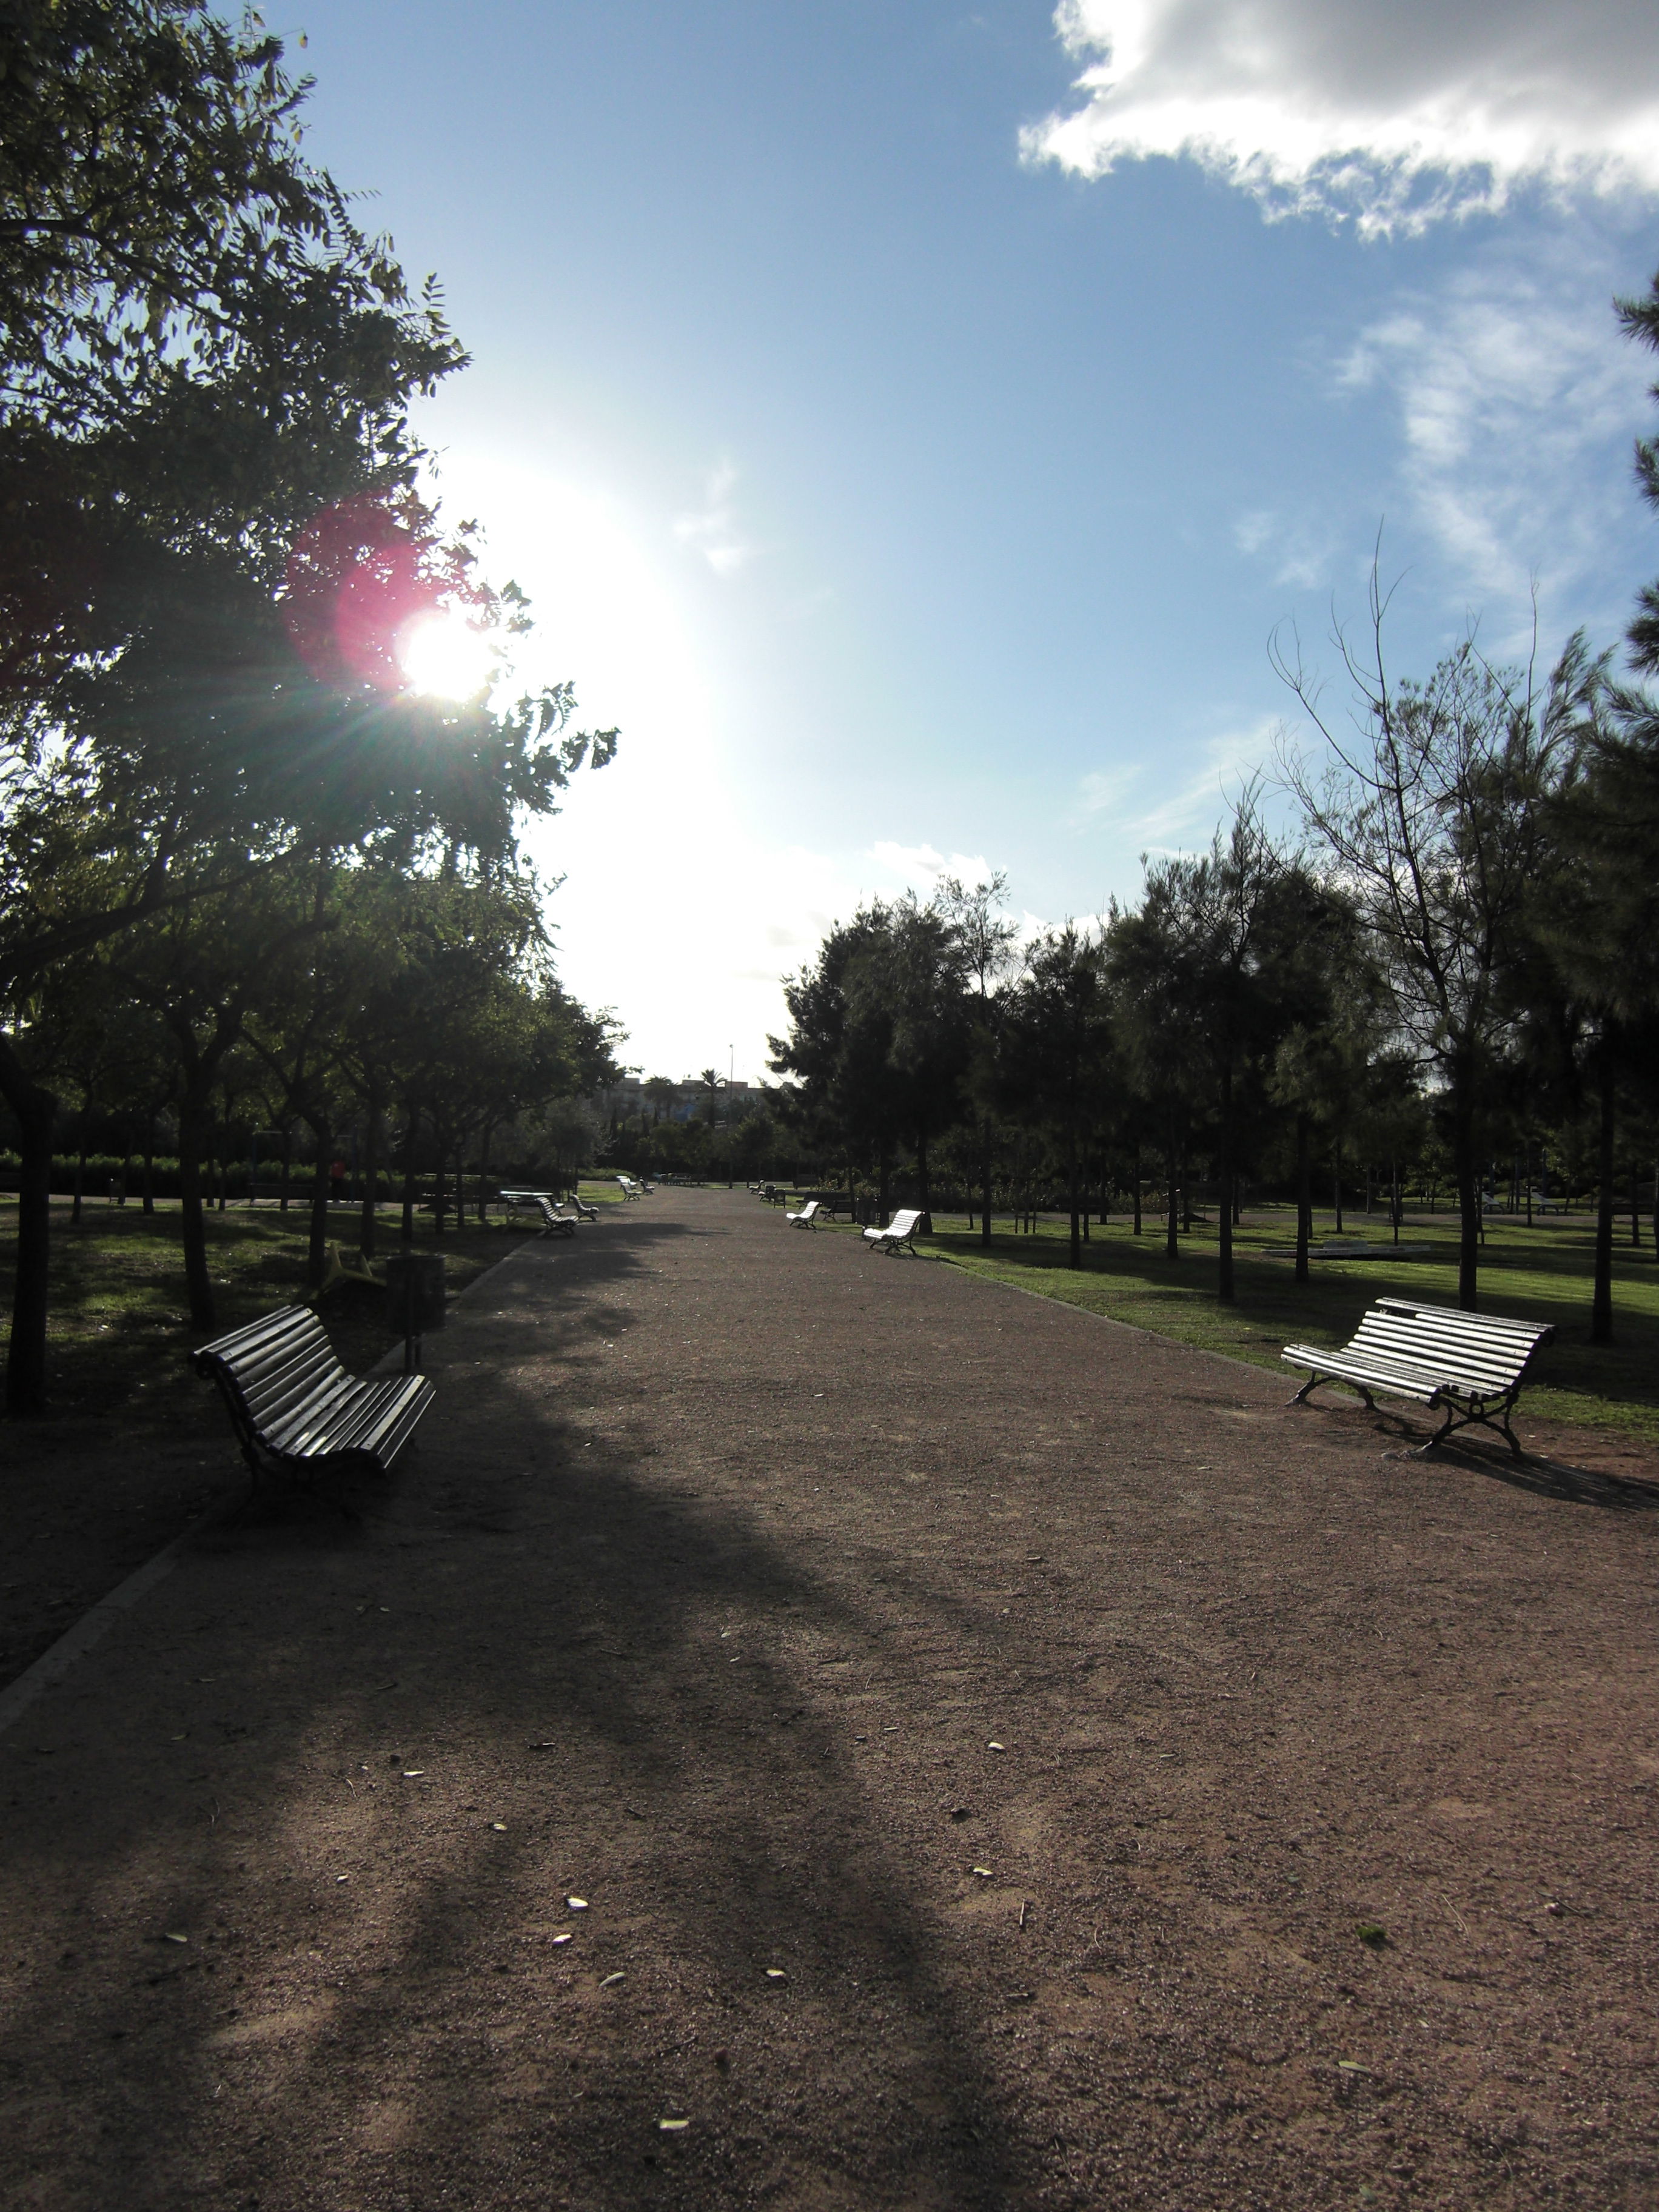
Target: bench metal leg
column 1314, row 1381
column 1486, row 1417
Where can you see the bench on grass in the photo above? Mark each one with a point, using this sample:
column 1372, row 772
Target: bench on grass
column 900, row 1231
column 555, row 1221
column 1469, row 1366
column 808, row 1216
column 628, row 1188
column 296, row 1411
column 340, row 1266
column 525, row 1200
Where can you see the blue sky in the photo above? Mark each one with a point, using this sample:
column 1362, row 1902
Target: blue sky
column 911, row 422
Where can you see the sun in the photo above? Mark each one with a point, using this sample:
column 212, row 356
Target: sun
column 443, row 656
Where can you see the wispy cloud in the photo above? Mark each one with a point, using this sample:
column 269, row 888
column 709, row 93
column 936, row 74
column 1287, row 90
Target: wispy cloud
column 712, row 529
column 1361, row 110
column 1294, row 551
column 1516, row 393
column 1105, row 791
column 1188, row 814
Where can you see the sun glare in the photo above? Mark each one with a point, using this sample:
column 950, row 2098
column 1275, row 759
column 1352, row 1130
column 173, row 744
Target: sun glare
column 443, row 656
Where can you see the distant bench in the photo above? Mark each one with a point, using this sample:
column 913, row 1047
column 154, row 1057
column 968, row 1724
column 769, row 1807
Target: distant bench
column 899, row 1234
column 1470, row 1366
column 296, row 1411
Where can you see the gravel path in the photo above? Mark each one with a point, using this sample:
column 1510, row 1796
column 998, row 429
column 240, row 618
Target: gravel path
column 978, row 1734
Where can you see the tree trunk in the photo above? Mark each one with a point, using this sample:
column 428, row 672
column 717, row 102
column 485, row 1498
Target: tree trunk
column 884, row 1171
column 926, row 1224
column 1304, row 1198
column 288, row 1148
column 36, row 1110
column 1137, row 1174
column 1075, row 1259
column 1635, row 1207
column 316, row 1261
column 1171, row 1224
column 410, row 1135
column 1468, row 1206
column 1336, row 1177
column 488, row 1131
column 1225, row 1291
column 371, row 1180
column 150, row 1166
column 1602, row 1298
column 80, row 1180
column 192, row 1225
column 985, row 1193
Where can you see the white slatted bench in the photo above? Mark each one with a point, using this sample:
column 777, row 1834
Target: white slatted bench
column 296, row 1411
column 900, row 1231
column 808, row 1216
column 1469, row 1366
column 554, row 1223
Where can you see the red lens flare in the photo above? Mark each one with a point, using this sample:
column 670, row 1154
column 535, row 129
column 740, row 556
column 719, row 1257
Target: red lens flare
column 361, row 575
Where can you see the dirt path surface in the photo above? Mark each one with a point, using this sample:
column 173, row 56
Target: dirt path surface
column 977, row 1733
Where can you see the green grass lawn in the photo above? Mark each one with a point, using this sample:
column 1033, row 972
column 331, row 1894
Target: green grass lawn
column 119, row 1332
column 600, row 1190
column 1542, row 1273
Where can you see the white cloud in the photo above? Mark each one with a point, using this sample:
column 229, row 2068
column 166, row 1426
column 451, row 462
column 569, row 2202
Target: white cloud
column 1193, row 811
column 1103, row 791
column 920, row 868
column 712, row 529
column 1517, row 397
column 1391, row 113
column 1298, row 552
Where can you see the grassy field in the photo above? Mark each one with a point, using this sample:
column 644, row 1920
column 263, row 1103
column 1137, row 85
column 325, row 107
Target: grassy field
column 119, row 1328
column 1542, row 1272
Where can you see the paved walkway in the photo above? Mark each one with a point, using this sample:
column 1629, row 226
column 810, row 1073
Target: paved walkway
column 977, row 1733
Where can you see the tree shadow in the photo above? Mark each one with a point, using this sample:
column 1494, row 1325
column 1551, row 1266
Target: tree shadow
column 552, row 1587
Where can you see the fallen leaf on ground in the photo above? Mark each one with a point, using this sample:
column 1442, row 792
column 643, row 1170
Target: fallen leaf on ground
column 996, row 1747
column 672, row 2127
column 1351, row 2066
column 565, row 1938
column 776, row 1974
column 413, row 1773
column 981, row 1870
column 611, row 1980
column 170, row 1937
column 1370, row 1932
column 577, row 1904
column 500, row 1827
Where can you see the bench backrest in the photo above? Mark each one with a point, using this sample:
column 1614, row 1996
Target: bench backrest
column 270, row 1368
column 903, row 1224
column 1484, row 1351
column 808, row 1210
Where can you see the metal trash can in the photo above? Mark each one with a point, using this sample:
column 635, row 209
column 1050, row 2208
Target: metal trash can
column 414, row 1300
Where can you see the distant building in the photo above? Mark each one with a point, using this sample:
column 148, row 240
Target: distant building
column 631, row 1096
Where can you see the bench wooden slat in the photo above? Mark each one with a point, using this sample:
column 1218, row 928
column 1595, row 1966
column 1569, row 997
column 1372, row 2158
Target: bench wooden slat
column 294, row 1407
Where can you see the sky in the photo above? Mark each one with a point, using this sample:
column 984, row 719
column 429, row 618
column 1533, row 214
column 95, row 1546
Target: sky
column 912, row 423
